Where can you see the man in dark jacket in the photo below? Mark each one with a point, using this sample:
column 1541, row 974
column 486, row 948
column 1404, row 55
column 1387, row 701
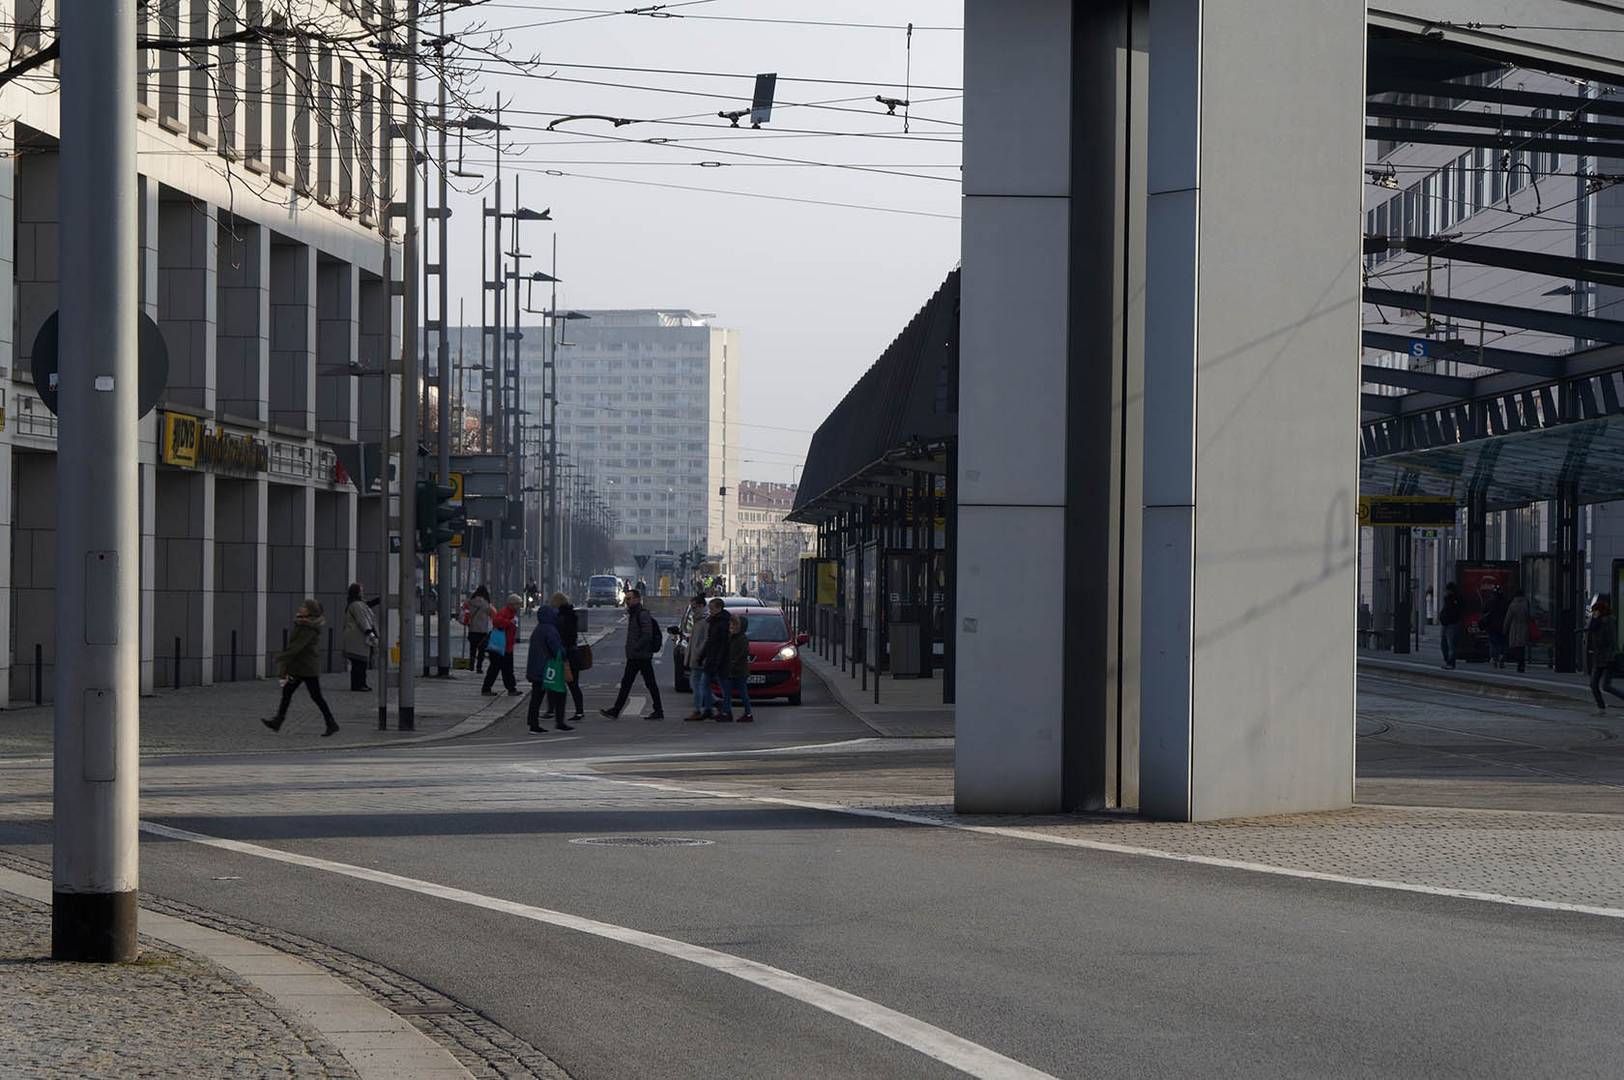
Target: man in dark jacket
column 545, row 647
column 642, row 642
column 569, row 628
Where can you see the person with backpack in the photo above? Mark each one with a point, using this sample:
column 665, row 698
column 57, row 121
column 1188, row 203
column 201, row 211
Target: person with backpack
column 643, row 642
column 547, row 670
column 499, row 647
column 300, row 665
column 1449, row 620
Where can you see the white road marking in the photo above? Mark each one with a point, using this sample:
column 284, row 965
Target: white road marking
column 944, row 1046
column 1102, row 845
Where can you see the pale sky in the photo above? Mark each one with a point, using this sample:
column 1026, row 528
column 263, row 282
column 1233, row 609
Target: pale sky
column 817, row 292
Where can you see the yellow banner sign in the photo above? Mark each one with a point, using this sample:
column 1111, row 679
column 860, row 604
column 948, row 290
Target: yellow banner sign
column 179, row 439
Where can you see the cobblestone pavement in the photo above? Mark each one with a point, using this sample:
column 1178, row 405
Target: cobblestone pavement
column 485, row 1049
column 225, row 718
column 169, row 1014
column 1568, row 858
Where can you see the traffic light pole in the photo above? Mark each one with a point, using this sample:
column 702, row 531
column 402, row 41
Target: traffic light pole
column 442, row 554
column 411, row 344
column 97, row 725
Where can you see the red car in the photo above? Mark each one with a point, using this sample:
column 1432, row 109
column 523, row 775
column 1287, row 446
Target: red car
column 775, row 654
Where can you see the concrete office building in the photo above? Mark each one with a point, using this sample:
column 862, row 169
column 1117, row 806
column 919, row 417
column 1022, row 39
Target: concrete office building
column 763, row 542
column 262, row 265
column 649, row 409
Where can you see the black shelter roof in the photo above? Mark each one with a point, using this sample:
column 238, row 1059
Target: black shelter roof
column 907, row 401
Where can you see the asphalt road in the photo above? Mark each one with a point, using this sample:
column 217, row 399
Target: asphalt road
column 1070, row 962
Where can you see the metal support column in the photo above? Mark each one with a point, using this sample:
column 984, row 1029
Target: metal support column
column 1403, row 590
column 410, row 341
column 94, row 858
column 1477, row 525
column 443, row 554
column 1568, row 616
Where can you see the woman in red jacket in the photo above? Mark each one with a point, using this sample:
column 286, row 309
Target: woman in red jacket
column 504, row 629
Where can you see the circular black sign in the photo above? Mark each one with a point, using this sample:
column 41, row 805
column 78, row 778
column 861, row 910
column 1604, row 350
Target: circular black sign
column 153, row 375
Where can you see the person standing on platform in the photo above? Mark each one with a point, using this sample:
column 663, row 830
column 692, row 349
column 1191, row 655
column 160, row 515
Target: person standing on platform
column 643, row 642
column 1599, row 652
column 1449, row 619
column 1515, row 629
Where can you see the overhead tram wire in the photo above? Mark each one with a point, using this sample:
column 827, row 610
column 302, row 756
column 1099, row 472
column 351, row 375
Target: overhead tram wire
column 747, row 77
column 723, row 18
column 737, row 194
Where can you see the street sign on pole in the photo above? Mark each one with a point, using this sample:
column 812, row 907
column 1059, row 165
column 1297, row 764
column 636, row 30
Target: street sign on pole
column 153, row 367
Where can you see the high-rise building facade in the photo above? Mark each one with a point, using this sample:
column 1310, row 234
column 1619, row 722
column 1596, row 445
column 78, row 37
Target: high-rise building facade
column 649, row 410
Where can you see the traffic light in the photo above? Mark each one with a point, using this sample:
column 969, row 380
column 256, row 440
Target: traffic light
column 439, row 520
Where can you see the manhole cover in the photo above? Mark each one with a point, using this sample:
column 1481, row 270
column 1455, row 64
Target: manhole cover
column 641, row 841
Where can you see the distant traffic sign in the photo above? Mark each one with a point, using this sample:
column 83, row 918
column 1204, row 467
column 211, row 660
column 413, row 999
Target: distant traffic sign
column 1404, row 511
column 1420, row 348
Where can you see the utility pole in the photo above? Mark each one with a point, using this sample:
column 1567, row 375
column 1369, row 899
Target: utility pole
column 411, row 343
column 95, row 869
column 442, row 556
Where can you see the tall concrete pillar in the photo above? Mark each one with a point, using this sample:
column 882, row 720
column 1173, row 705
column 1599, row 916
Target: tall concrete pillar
column 187, row 238
column 8, row 348
column 336, row 348
column 149, row 215
column 1172, row 336
column 1251, row 403
column 293, row 336
column 288, row 569
column 239, row 578
column 184, row 580
column 1051, row 334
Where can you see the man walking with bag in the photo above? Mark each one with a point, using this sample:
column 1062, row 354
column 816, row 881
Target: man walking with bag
column 643, row 641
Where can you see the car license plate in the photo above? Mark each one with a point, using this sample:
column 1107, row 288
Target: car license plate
column 758, row 680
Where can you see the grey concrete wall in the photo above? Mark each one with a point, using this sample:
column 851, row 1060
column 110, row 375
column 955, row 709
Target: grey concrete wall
column 1251, row 405
column 33, row 572
column 334, row 558
column 288, row 564
column 183, row 587
column 243, row 307
column 239, row 577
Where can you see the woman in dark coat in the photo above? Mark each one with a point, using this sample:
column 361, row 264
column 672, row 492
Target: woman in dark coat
column 300, row 665
column 569, row 629
column 545, row 647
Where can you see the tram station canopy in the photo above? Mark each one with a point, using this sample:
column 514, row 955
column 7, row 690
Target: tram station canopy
column 899, row 415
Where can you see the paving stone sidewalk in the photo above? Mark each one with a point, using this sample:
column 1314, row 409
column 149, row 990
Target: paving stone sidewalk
column 168, row 1014
column 225, row 718
column 1565, row 858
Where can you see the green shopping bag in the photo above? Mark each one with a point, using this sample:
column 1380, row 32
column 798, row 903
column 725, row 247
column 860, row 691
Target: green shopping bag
column 552, row 676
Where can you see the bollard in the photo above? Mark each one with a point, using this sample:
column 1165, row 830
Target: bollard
column 234, row 656
column 176, row 684
column 39, row 674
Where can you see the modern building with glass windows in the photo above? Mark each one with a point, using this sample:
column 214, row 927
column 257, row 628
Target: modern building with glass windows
column 266, row 167
column 649, row 409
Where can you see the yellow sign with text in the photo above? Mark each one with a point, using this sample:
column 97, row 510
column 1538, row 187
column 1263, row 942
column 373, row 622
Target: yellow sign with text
column 180, row 439
column 828, row 582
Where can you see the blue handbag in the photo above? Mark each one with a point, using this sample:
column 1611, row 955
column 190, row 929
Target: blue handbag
column 497, row 643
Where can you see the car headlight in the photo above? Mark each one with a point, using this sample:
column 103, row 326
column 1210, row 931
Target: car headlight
column 786, row 653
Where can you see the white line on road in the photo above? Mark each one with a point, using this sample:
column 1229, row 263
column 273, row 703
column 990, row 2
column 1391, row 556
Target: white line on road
column 944, row 1046
column 1102, row 845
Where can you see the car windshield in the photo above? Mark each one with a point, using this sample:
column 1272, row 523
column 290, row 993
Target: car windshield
column 765, row 628
column 604, row 582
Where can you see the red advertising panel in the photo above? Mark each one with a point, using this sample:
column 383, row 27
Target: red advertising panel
column 1479, row 581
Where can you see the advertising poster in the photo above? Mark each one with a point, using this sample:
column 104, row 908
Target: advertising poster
column 1479, row 583
column 828, row 582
